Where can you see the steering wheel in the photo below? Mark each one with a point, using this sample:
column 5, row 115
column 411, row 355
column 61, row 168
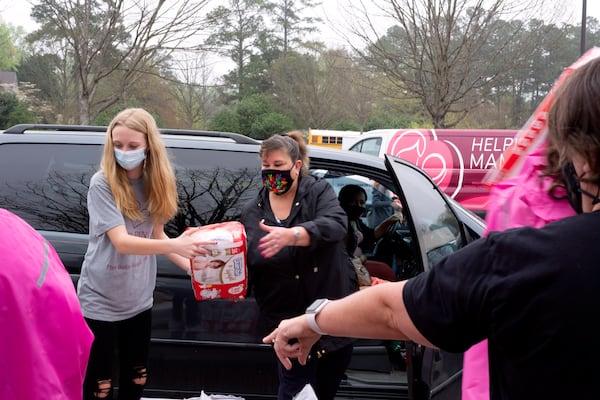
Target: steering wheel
column 385, row 248
column 395, row 247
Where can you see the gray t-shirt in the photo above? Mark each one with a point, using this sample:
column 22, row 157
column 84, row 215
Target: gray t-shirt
column 115, row 286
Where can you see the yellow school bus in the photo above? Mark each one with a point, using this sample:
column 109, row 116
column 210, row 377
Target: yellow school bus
column 329, row 138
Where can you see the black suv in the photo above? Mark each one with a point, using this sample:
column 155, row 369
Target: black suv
column 212, row 345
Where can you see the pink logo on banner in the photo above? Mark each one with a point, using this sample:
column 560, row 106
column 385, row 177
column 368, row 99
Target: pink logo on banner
column 437, row 158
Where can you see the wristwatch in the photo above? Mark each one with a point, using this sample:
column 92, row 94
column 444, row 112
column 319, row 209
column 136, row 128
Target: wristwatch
column 296, row 235
column 311, row 314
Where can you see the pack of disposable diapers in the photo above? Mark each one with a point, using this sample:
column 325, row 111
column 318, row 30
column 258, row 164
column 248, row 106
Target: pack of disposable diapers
column 222, row 273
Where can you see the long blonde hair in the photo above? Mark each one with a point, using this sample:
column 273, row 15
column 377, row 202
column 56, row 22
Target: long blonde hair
column 161, row 185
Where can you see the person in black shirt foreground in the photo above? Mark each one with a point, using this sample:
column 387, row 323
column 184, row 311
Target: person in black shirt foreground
column 533, row 293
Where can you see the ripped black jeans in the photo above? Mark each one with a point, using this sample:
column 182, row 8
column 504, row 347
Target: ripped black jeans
column 121, row 345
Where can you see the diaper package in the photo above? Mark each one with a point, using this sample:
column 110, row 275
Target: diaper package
column 223, row 273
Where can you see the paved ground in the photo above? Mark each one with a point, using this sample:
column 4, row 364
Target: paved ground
column 202, row 396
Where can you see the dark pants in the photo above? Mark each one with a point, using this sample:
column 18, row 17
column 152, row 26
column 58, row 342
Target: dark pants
column 323, row 373
column 127, row 341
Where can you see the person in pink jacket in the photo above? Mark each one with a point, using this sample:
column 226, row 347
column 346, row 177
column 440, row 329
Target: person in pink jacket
column 44, row 340
column 534, row 198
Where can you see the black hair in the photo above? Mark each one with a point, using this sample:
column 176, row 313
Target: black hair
column 348, row 192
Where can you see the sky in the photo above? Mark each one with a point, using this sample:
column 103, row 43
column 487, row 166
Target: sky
column 16, row 12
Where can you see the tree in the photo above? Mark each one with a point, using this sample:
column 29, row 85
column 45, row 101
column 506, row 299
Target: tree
column 356, row 98
column 271, row 123
column 225, row 120
column 387, row 121
column 117, row 39
column 254, row 116
column 235, row 30
column 292, row 26
column 13, row 112
column 250, row 109
column 255, row 79
column 55, row 82
column 195, row 97
column 346, row 125
column 38, row 109
column 9, row 53
column 436, row 51
column 258, row 118
column 311, row 90
column 550, row 52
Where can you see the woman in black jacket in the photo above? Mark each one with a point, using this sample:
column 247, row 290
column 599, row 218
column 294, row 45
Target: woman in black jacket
column 353, row 199
column 296, row 254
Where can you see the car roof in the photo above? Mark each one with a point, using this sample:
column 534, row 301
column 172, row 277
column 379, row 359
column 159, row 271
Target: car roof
column 95, row 134
column 93, row 130
column 353, row 162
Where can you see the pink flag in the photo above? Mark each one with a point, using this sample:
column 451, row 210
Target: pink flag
column 534, row 131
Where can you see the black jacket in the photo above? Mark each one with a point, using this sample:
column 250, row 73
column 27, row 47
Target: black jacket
column 368, row 241
column 285, row 284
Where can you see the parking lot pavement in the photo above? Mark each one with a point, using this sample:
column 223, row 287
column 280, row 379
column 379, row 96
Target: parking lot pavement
column 154, row 398
column 202, row 396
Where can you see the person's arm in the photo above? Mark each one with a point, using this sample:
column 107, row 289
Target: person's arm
column 377, row 313
column 383, row 227
column 107, row 219
column 181, row 261
column 278, row 238
column 397, row 216
column 328, row 225
column 182, row 247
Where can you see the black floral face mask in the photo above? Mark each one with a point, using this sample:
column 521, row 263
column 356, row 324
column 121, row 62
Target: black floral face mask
column 277, row 181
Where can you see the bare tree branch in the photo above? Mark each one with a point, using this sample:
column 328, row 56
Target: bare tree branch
column 445, row 53
column 119, row 38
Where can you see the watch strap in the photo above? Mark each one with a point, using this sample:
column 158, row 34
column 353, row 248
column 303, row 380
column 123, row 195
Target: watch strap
column 312, row 322
column 311, row 318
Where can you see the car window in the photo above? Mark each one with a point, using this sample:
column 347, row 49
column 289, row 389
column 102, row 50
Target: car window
column 213, row 186
column 338, row 180
column 436, row 225
column 46, row 184
column 368, row 146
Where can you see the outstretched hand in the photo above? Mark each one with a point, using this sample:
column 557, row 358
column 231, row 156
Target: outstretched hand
column 293, row 338
column 275, row 239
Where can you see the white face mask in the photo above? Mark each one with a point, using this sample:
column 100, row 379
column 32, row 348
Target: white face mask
column 130, row 159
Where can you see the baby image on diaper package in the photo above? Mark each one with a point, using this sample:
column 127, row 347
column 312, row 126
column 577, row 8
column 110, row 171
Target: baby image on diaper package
column 222, row 273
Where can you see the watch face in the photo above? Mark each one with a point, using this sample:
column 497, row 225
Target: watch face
column 315, row 305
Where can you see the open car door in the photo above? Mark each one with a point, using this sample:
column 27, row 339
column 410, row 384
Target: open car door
column 436, row 232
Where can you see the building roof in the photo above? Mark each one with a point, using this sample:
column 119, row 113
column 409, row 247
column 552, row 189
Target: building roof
column 8, row 77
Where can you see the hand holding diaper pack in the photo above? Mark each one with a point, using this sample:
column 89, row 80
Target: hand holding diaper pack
column 222, row 273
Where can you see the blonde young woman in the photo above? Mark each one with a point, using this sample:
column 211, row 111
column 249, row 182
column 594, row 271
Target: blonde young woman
column 130, row 198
